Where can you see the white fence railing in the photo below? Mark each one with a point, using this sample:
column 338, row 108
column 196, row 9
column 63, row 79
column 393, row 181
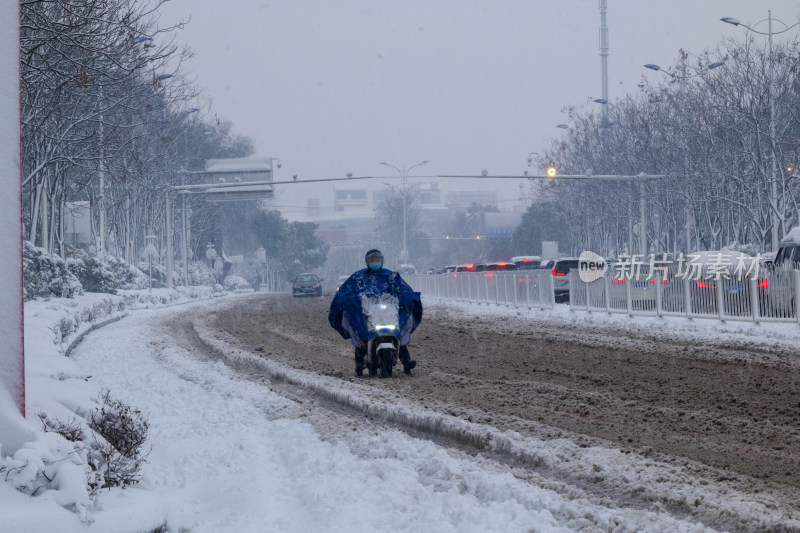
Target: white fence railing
column 772, row 296
column 529, row 288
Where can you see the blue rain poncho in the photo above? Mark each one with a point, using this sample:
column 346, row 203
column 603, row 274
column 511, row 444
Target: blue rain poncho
column 347, row 316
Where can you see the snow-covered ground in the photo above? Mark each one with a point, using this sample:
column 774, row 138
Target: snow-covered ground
column 234, row 454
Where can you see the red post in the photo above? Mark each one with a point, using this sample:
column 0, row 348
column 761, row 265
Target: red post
column 12, row 353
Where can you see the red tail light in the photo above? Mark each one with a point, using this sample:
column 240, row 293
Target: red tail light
column 470, row 267
column 618, row 280
column 558, row 273
column 488, row 274
column 522, row 280
column 704, row 285
column 764, row 284
column 501, row 264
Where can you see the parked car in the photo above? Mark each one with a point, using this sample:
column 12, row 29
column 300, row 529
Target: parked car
column 307, row 285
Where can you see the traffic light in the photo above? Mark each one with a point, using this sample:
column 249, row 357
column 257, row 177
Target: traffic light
column 551, row 171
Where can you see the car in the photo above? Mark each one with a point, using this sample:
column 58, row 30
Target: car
column 463, row 268
column 777, row 286
column 708, row 270
column 490, row 268
column 307, row 285
column 643, row 284
column 560, row 269
column 407, row 270
column 340, row 280
column 501, row 266
column 526, row 262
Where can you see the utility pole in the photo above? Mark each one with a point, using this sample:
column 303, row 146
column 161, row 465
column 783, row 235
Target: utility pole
column 604, row 55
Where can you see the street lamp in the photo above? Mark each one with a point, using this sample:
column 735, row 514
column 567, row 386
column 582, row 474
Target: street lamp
column 150, row 253
column 403, row 179
column 214, row 260
column 771, row 100
column 261, row 256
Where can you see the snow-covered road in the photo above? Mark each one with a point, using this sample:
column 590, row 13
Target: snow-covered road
column 231, row 451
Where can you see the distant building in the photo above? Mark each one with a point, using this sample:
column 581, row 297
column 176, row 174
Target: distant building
column 348, row 198
column 313, row 207
column 461, row 200
column 77, row 223
column 500, row 224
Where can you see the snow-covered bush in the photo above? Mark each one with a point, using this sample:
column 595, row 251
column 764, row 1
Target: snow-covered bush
column 233, row 283
column 71, row 463
column 199, row 274
column 46, row 274
column 139, row 299
column 118, row 457
column 54, row 465
column 126, row 275
column 94, row 275
column 159, row 274
column 196, row 291
column 68, row 324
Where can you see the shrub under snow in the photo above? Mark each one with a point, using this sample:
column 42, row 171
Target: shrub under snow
column 233, row 283
column 93, row 274
column 46, row 274
column 72, row 461
column 126, row 275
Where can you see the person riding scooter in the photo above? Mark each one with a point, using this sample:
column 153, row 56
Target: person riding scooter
column 346, row 315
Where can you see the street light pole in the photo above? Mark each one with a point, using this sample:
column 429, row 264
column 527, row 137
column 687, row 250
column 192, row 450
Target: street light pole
column 403, row 180
column 604, row 55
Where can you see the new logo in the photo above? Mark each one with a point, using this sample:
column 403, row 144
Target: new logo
column 591, row 266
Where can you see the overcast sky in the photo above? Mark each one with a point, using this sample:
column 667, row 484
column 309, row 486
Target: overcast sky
column 332, row 87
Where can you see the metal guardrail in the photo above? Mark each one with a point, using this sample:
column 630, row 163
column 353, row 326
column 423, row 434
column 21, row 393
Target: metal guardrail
column 771, row 296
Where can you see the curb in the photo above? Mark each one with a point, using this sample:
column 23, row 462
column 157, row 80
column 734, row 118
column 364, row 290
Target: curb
column 77, row 340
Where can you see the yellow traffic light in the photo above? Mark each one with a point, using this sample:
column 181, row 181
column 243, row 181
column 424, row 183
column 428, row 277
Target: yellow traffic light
column 551, row 171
